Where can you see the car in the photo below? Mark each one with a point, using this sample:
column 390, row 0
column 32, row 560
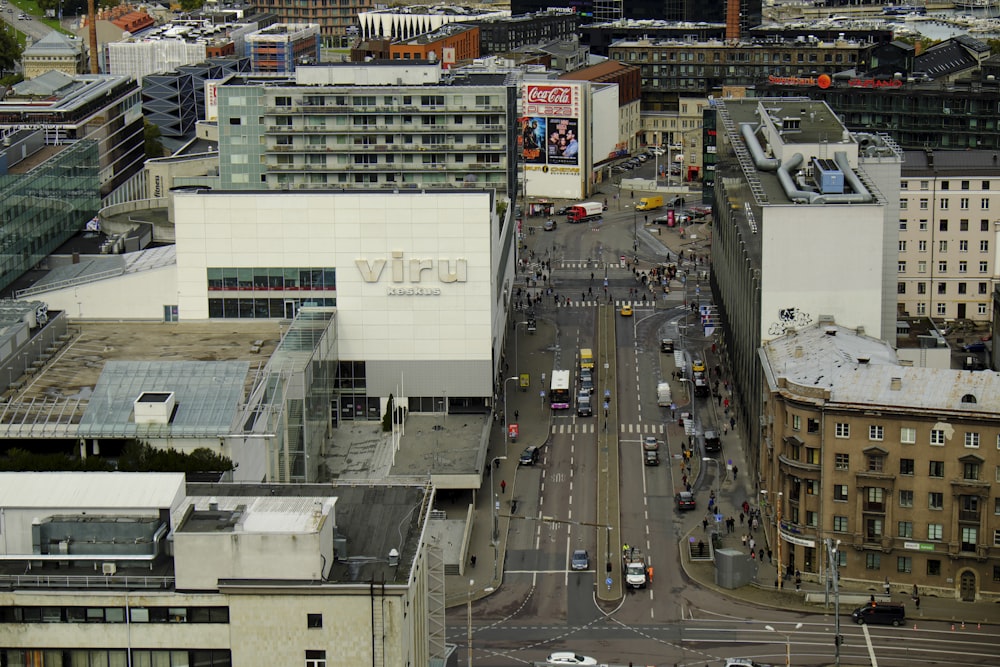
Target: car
column 641, row 157
column 697, row 366
column 549, row 225
column 562, row 210
column 626, row 310
column 667, row 345
column 580, row 560
column 743, row 662
column 627, row 166
column 651, row 458
column 880, row 613
column 529, row 456
column 584, row 405
column 650, row 443
column 978, row 346
column 569, row 658
column 712, row 441
column 685, row 501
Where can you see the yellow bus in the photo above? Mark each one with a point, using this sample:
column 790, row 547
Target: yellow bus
column 586, row 359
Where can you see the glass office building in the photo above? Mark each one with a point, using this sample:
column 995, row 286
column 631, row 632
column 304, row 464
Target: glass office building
column 44, row 207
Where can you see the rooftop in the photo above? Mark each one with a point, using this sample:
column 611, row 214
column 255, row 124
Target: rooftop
column 91, row 490
column 857, row 370
column 254, row 514
column 951, row 163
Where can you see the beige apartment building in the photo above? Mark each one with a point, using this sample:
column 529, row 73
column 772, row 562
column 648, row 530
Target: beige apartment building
column 949, row 205
column 679, row 130
column 899, row 464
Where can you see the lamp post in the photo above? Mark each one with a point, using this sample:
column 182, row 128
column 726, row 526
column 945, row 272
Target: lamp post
column 788, row 641
column 468, row 619
column 506, row 420
column 831, row 550
column 496, row 499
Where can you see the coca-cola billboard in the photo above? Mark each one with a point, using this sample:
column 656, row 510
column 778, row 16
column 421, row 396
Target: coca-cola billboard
column 551, row 100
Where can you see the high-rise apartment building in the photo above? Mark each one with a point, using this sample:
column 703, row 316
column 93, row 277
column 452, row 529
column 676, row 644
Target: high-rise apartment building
column 948, row 203
column 372, row 125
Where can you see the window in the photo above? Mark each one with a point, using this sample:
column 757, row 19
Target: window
column 812, row 425
column 984, row 246
column 936, row 469
column 842, row 430
column 942, row 267
column 796, row 422
column 872, row 561
column 922, row 225
column 843, row 461
column 922, row 246
column 962, row 288
column 812, row 487
column 996, row 573
column 874, row 497
column 873, row 529
column 984, row 267
column 972, row 440
column 982, row 288
column 942, row 246
column 314, row 620
column 876, row 463
column 905, row 529
column 840, row 524
column 905, row 498
column 315, row 658
column 937, row 437
column 996, row 538
column 907, row 435
column 984, row 203
column 901, row 267
column 942, row 308
column 996, row 506
column 840, row 490
column 921, row 288
column 934, row 568
column 923, row 203
column 875, row 432
column 942, row 288
column 904, row 564
column 902, row 223
column 981, row 308
column 963, row 203
column 935, row 500
column 969, row 535
column 970, row 471
column 943, row 224
column 902, row 246
column 984, row 225
column 963, row 246
column 813, row 456
column 906, row 467
column 934, row 531
column 812, row 519
column 900, row 288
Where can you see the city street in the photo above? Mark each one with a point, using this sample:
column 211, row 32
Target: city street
column 543, row 605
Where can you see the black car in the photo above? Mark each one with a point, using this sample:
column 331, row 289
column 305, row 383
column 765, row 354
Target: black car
column 529, row 456
column 562, row 210
column 879, row 613
column 685, row 501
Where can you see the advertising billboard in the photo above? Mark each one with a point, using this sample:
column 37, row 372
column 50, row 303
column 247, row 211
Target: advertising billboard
column 564, row 141
column 533, row 140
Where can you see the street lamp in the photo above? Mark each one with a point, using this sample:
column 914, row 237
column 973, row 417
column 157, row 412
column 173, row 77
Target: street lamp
column 831, row 550
column 788, row 641
column 496, row 500
column 506, row 420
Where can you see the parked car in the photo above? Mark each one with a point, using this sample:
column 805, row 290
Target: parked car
column 529, row 456
column 562, row 210
column 580, row 560
column 743, row 662
column 569, row 658
column 684, row 501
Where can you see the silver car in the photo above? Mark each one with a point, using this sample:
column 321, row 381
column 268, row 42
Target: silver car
column 580, row 560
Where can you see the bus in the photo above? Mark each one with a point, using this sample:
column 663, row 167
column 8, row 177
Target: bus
column 559, row 390
column 586, row 359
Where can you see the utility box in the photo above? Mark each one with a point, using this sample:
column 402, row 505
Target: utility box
column 733, row 568
column 828, row 176
column 154, row 407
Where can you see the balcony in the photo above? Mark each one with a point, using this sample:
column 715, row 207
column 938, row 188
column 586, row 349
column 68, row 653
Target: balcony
column 798, row 465
column 969, row 515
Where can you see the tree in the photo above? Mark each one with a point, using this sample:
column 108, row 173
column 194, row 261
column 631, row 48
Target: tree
column 151, row 137
column 10, row 50
column 191, row 5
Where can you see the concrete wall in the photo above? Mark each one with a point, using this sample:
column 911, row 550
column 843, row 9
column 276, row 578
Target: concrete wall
column 133, row 296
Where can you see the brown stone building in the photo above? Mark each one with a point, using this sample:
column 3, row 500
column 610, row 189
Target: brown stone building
column 898, row 463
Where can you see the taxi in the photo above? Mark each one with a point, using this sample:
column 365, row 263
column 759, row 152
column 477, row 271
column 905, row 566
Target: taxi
column 698, row 366
column 626, row 310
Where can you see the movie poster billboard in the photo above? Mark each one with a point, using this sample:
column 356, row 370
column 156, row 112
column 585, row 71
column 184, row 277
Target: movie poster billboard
column 563, row 141
column 533, row 140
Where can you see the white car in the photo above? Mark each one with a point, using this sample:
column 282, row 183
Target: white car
column 569, row 658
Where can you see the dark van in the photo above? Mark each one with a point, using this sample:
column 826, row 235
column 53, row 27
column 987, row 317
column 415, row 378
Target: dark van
column 880, row 614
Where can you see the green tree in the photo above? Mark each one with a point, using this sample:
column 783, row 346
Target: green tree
column 140, row 457
column 191, row 5
column 151, row 135
column 10, row 50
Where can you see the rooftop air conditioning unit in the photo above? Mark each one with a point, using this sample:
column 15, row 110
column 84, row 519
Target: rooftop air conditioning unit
column 109, row 569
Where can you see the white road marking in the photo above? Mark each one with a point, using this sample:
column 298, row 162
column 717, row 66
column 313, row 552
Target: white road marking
column 868, row 641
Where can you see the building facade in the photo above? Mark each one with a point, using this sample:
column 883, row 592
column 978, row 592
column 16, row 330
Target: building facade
column 501, row 34
column 780, row 256
column 296, row 590
column 682, row 133
column 405, row 128
column 335, row 21
column 948, row 234
column 105, row 109
column 449, row 44
column 54, row 51
column 280, row 47
column 629, row 98
column 895, row 463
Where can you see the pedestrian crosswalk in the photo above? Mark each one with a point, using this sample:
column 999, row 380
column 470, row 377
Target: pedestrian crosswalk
column 591, row 303
column 591, row 427
column 589, row 265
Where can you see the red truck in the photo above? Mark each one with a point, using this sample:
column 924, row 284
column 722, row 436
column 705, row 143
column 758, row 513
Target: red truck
column 588, row 210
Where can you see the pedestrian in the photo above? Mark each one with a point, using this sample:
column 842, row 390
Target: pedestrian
column 769, row 559
column 503, row 486
column 736, row 471
column 885, row 586
column 649, row 572
column 720, row 399
column 472, row 560
column 753, row 556
column 916, row 602
column 753, row 543
column 725, row 429
column 916, row 592
column 746, row 507
column 704, row 524
column 744, row 538
column 725, row 403
column 732, row 422
column 516, row 414
column 742, row 516
column 756, row 524
column 760, row 555
column 624, row 549
column 798, row 582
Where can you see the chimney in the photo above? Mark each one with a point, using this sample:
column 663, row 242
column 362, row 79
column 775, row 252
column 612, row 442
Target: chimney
column 732, row 20
column 895, row 384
